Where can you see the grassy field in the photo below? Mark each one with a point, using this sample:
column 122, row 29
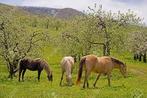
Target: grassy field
column 134, row 86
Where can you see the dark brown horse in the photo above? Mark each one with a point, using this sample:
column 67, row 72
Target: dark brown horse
column 34, row 65
column 102, row 65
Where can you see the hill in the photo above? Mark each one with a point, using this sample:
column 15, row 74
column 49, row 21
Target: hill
column 64, row 13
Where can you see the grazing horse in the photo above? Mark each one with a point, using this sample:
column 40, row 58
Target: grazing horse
column 34, row 65
column 101, row 65
column 67, row 66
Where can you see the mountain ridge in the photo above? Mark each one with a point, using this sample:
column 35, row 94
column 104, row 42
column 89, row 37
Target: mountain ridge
column 63, row 13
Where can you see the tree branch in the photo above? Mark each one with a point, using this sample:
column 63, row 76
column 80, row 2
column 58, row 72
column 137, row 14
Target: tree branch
column 65, row 35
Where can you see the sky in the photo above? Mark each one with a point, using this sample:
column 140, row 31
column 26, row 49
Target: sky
column 138, row 6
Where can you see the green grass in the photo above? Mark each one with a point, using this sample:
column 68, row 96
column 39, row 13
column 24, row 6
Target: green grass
column 134, row 86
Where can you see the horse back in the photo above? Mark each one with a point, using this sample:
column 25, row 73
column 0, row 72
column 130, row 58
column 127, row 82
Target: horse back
column 67, row 63
column 90, row 62
column 68, row 59
column 105, row 64
column 35, row 65
column 91, row 59
column 32, row 65
column 98, row 64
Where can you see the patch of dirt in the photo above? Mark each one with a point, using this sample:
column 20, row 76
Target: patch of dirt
column 137, row 71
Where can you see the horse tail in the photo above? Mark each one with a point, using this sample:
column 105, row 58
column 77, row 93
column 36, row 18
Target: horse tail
column 82, row 62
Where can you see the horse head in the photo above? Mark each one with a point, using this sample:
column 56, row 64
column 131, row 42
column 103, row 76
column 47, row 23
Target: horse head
column 50, row 76
column 69, row 80
column 124, row 70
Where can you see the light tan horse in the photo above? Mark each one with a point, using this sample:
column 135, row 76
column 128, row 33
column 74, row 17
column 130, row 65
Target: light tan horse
column 101, row 65
column 67, row 66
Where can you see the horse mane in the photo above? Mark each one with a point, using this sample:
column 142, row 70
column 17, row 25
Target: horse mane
column 114, row 60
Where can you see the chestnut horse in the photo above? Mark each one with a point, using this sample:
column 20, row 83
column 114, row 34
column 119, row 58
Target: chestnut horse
column 67, row 66
column 34, row 65
column 102, row 65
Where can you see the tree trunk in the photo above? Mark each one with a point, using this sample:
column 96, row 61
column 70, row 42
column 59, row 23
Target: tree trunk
column 11, row 71
column 79, row 57
column 12, row 67
column 107, row 48
column 144, row 57
column 104, row 49
column 57, row 28
column 47, row 24
column 135, row 56
column 140, row 57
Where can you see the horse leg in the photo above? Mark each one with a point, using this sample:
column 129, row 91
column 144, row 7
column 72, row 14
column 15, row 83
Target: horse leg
column 61, row 78
column 86, row 79
column 96, row 80
column 88, row 74
column 23, row 74
column 20, row 70
column 108, row 76
column 71, row 70
column 87, row 83
column 39, row 72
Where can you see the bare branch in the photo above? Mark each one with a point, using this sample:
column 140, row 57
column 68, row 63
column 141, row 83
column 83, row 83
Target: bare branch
column 65, row 35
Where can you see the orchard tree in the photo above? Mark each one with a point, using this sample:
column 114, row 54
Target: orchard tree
column 98, row 27
column 79, row 33
column 113, row 27
column 138, row 41
column 17, row 42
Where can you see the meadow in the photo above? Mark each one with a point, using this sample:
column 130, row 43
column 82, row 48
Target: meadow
column 24, row 34
column 134, row 86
